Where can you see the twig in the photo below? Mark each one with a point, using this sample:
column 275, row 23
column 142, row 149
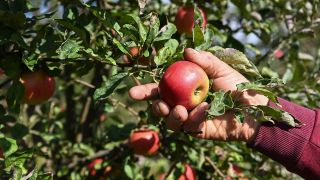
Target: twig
column 173, row 166
column 115, row 102
column 5, row 82
column 84, row 117
column 214, row 166
column 84, row 83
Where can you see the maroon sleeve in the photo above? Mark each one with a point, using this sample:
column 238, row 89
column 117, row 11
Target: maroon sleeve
column 298, row 149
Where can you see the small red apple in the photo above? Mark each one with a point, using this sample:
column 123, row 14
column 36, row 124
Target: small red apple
column 1, row 153
column 188, row 174
column 144, row 142
column 134, row 52
column 185, row 19
column 1, row 72
column 278, row 53
column 91, row 168
column 184, row 83
column 39, row 87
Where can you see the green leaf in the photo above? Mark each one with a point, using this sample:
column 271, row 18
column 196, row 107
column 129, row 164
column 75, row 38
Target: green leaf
column 262, row 86
column 198, row 36
column 166, row 53
column 236, row 59
column 221, row 102
column 14, row 96
column 153, row 28
column 30, row 60
column 142, row 29
column 128, row 169
column 81, row 32
column 166, row 32
column 8, row 145
column 109, row 86
column 70, row 49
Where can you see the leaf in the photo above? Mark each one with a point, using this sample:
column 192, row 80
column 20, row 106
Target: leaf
column 221, row 102
column 14, row 96
column 81, row 32
column 235, row 59
column 30, row 60
column 142, row 29
column 280, row 116
column 8, row 145
column 262, row 86
column 198, row 37
column 109, row 86
column 70, row 49
column 166, row 53
column 128, row 169
column 166, row 32
column 153, row 28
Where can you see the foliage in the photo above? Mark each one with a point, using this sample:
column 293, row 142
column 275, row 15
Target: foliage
column 84, row 45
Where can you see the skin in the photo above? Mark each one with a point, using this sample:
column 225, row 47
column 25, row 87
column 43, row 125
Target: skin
column 222, row 128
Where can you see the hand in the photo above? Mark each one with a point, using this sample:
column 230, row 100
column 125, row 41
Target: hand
column 224, row 127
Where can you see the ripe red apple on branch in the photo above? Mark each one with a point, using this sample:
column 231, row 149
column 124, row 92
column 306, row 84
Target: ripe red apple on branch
column 144, row 142
column 135, row 51
column 185, row 19
column 39, row 87
column 184, row 83
column 188, row 174
column 99, row 161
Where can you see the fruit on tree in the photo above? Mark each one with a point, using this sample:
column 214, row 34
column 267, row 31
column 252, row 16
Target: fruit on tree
column 184, row 83
column 144, row 142
column 1, row 153
column 188, row 174
column 1, row 72
column 39, row 87
column 135, row 52
column 185, row 19
column 278, row 53
column 96, row 162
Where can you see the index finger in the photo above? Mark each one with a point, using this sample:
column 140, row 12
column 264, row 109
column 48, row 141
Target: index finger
column 144, row 92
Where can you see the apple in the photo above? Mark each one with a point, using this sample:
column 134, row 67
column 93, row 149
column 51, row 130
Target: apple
column 185, row 19
column 1, row 72
column 1, row 153
column 278, row 53
column 135, row 51
column 39, row 87
column 184, row 83
column 99, row 161
column 144, row 142
column 188, row 174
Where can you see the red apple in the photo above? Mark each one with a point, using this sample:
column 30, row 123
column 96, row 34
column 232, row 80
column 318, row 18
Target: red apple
column 278, row 53
column 144, row 142
column 1, row 72
column 39, row 87
column 91, row 168
column 188, row 174
column 184, row 83
column 1, row 153
column 185, row 19
column 135, row 51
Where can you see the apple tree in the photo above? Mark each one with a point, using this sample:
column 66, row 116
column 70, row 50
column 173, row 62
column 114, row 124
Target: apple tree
column 67, row 66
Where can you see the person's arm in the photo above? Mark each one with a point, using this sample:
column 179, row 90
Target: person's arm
column 298, row 149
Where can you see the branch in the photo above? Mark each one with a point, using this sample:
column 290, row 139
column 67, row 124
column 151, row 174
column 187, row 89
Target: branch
column 214, row 167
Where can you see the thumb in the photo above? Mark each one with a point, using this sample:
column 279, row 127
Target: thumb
column 214, row 67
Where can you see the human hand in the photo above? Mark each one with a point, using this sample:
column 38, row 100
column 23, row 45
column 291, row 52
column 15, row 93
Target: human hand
column 224, row 127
